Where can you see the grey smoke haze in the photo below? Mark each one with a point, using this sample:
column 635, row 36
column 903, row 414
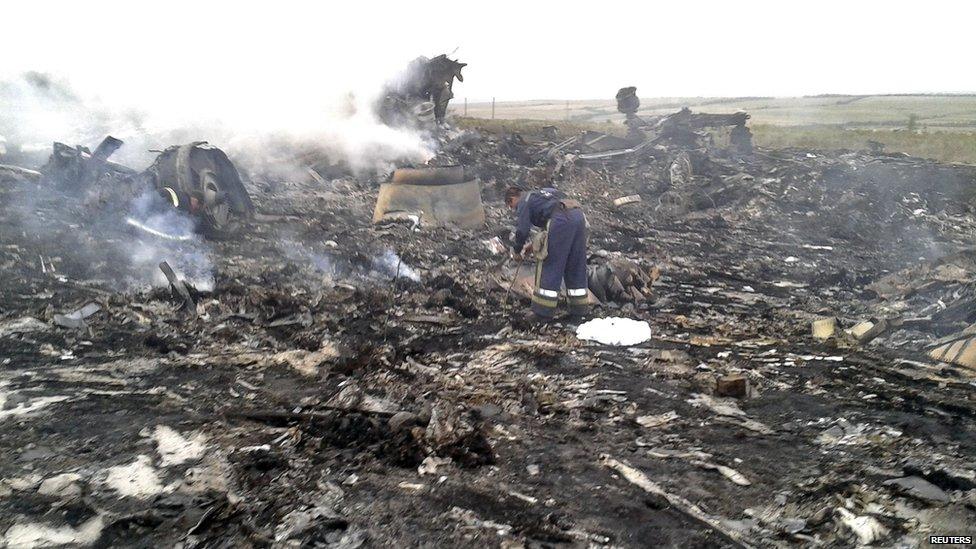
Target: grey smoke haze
column 374, row 266
column 89, row 235
column 123, row 240
column 170, row 237
column 37, row 109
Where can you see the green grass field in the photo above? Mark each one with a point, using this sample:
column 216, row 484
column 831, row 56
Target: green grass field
column 941, row 127
column 946, row 146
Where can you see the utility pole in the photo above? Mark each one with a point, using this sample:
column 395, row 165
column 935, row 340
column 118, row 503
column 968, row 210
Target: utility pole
column 567, row 109
column 465, row 106
column 492, row 108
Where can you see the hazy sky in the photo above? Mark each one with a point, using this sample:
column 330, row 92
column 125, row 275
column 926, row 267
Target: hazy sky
column 247, row 54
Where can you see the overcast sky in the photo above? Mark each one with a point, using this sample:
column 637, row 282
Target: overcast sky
column 212, row 54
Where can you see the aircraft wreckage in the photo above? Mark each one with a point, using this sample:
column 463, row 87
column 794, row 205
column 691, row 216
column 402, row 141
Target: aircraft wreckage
column 195, row 178
column 359, row 374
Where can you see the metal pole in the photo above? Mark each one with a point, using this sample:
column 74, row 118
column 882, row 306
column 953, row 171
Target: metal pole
column 395, row 278
column 492, row 108
column 386, row 320
column 465, row 106
column 518, row 270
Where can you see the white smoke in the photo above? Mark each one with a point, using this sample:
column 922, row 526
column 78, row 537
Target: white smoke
column 339, row 123
column 167, row 234
column 381, row 268
column 276, row 121
column 390, row 264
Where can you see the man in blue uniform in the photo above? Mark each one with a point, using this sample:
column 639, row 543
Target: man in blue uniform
column 560, row 250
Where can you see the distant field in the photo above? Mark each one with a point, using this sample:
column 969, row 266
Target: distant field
column 876, row 111
column 942, row 127
column 947, row 146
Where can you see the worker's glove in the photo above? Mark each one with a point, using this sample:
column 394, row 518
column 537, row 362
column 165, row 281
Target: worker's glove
column 515, row 256
column 527, row 249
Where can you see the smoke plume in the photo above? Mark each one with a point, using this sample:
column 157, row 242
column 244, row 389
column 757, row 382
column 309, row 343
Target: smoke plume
column 123, row 237
column 339, row 124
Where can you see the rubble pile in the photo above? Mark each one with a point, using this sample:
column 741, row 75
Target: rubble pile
column 345, row 383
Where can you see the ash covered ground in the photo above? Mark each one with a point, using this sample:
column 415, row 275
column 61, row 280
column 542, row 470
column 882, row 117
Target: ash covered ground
column 335, row 383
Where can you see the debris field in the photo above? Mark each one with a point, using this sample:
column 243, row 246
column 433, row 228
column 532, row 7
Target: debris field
column 331, row 375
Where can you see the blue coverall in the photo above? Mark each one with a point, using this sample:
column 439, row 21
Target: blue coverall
column 565, row 253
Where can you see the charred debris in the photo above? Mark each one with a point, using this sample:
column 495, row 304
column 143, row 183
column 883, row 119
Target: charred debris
column 197, row 179
column 419, row 96
column 356, row 374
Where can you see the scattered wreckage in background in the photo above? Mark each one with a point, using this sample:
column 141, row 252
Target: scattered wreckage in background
column 930, row 305
column 683, row 130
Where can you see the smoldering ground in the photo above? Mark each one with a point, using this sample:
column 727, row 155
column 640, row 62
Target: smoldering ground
column 378, row 265
column 118, row 241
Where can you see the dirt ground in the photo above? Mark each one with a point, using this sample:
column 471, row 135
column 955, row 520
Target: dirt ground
column 314, row 398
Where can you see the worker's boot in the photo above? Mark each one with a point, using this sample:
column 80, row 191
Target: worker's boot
column 533, row 316
column 579, row 312
column 530, row 319
column 578, row 318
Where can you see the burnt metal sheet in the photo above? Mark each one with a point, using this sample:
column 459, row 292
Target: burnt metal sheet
column 443, row 175
column 451, row 204
column 602, row 142
column 592, row 157
column 961, row 351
